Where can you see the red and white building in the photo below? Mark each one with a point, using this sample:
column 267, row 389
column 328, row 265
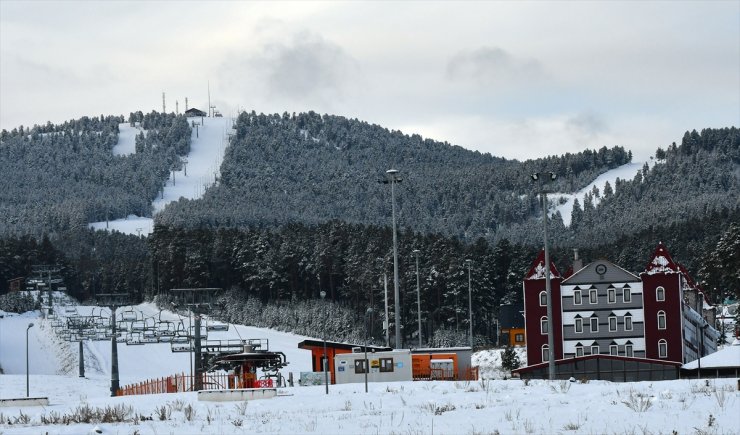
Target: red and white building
column 602, row 311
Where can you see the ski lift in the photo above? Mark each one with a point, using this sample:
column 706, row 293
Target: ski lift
column 149, row 336
column 203, row 332
column 180, row 347
column 217, row 326
column 128, row 315
column 134, row 338
column 138, row 326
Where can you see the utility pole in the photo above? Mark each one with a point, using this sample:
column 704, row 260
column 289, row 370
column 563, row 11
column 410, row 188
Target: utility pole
column 548, row 288
column 393, row 178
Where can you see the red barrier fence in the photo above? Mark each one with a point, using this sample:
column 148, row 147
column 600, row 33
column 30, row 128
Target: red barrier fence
column 183, row 383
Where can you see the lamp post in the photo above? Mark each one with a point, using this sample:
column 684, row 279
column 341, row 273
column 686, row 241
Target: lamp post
column 538, row 177
column 393, row 178
column 470, row 303
column 30, row 325
column 324, row 360
column 367, row 326
column 418, row 294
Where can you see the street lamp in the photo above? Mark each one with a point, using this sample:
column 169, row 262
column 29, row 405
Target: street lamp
column 538, row 177
column 324, row 361
column 393, row 178
column 367, row 326
column 470, row 303
column 30, row 325
column 418, row 293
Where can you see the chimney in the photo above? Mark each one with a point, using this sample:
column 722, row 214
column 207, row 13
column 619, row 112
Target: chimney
column 577, row 262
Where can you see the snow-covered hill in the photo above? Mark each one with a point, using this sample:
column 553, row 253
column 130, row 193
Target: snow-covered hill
column 207, row 147
column 488, row 406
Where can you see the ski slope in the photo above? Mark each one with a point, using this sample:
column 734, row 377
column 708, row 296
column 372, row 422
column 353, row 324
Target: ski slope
column 444, row 407
column 207, row 147
column 624, row 172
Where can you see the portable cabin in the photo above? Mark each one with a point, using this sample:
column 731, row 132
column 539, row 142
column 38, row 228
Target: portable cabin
column 333, row 349
column 448, row 363
column 388, row 366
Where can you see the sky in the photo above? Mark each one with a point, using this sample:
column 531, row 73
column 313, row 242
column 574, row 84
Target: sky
column 515, row 79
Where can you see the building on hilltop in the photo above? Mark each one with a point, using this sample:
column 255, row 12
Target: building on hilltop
column 651, row 323
column 190, row 113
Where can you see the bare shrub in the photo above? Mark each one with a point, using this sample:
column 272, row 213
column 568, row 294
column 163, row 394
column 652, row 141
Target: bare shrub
column 177, row 405
column 163, row 412
column 241, row 407
column 238, row 422
column 189, row 412
column 561, row 387
column 638, row 402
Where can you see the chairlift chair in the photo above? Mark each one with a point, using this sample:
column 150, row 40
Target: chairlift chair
column 134, row 338
column 128, row 315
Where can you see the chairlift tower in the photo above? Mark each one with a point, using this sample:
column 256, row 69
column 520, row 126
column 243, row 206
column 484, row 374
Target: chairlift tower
column 114, row 300
column 199, row 301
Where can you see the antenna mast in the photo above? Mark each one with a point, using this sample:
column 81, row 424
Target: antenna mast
column 186, row 104
column 209, row 98
column 177, row 107
column 164, row 110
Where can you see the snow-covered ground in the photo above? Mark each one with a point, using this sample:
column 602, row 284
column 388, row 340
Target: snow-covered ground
column 487, row 406
column 207, row 146
column 624, row 172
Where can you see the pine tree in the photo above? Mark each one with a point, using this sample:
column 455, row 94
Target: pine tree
column 509, row 359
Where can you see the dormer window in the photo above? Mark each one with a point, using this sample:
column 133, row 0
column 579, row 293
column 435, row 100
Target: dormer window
column 579, row 324
column 592, row 296
column 577, row 297
column 626, row 294
column 612, row 295
column 628, row 322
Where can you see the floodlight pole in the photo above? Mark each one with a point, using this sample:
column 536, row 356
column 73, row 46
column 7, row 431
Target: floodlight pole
column 548, row 288
column 367, row 326
column 470, row 304
column 392, row 178
column 30, row 325
column 324, row 361
column 418, row 294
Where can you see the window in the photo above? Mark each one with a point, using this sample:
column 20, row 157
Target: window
column 628, row 323
column 662, row 349
column 360, row 366
column 519, row 338
column 628, row 350
column 543, row 325
column 661, row 319
column 594, row 349
column 579, row 324
column 612, row 295
column 543, row 299
column 594, row 324
column 626, row 295
column 592, row 296
column 545, row 353
column 613, row 349
column 577, row 297
column 579, row 350
column 612, row 323
column 660, row 294
column 386, row 364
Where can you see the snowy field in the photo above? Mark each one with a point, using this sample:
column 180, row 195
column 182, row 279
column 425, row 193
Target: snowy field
column 476, row 407
column 207, row 147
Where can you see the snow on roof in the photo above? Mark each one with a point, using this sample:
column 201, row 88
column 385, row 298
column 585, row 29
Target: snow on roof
column 727, row 357
column 537, row 271
column 661, row 262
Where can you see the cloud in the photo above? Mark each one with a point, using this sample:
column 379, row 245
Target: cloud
column 306, row 69
column 493, row 67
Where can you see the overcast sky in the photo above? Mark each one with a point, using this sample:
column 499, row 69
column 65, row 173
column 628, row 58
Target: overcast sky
column 516, row 79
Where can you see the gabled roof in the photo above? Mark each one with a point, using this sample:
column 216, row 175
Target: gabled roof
column 537, row 270
column 729, row 357
column 661, row 262
column 601, row 271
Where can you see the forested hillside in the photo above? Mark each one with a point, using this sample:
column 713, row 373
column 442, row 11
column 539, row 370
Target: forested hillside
column 309, row 168
column 56, row 178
